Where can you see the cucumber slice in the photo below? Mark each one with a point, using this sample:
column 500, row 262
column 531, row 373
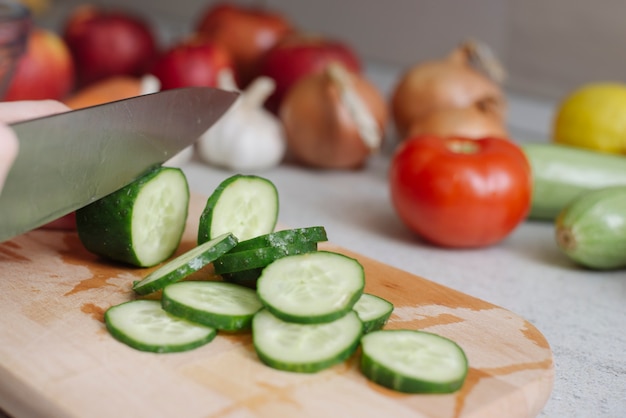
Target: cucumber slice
column 225, row 306
column 246, row 278
column 283, row 238
column 373, row 311
column 413, row 361
column 144, row 325
column 141, row 224
column 258, row 258
column 245, row 205
column 185, row 264
column 304, row 348
column 314, row 287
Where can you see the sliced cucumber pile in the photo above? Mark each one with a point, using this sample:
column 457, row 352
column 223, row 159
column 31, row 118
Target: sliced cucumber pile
column 141, row 224
column 306, row 308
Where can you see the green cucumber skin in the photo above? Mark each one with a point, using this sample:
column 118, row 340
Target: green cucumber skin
column 114, row 240
column 591, row 230
column 258, row 258
column 562, row 173
column 206, row 218
column 186, row 269
column 246, row 278
column 283, row 237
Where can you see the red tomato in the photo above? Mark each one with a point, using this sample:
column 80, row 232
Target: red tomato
column 460, row 192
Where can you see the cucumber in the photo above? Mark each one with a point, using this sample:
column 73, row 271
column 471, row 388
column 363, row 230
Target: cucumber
column 283, row 238
column 288, row 241
column 245, row 205
column 144, row 325
column 185, row 264
column 313, row 287
column 141, row 224
column 373, row 311
column 591, row 230
column 259, row 258
column 225, row 306
column 413, row 361
column 561, row 173
column 246, row 278
column 304, row 348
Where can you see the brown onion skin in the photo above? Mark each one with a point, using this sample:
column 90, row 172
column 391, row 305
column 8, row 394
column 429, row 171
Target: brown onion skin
column 437, row 85
column 468, row 122
column 319, row 129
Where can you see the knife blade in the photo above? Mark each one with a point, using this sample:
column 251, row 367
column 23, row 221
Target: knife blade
column 69, row 160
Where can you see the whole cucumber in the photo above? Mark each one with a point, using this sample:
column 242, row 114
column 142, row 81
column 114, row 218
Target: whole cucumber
column 562, row 172
column 591, row 230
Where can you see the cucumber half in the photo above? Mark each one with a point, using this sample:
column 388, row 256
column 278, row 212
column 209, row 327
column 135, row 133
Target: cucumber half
column 141, row 224
column 413, row 361
column 245, row 205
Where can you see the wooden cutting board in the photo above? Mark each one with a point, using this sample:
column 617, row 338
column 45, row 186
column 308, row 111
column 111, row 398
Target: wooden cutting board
column 57, row 359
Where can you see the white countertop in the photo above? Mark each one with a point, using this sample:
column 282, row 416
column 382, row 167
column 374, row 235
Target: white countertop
column 581, row 313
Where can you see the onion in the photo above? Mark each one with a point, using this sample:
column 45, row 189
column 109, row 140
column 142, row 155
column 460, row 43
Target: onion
column 469, row 76
column 470, row 122
column 333, row 119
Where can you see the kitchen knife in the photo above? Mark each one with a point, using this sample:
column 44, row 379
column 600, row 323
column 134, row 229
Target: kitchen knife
column 69, row 160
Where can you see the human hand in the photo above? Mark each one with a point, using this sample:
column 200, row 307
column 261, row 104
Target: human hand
column 11, row 112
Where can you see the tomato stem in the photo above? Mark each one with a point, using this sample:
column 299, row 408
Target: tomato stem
column 463, row 146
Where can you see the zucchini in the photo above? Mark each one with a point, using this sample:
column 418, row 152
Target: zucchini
column 562, row 172
column 591, row 230
column 141, row 224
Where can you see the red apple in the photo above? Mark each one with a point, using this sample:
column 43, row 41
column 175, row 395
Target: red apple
column 108, row 42
column 246, row 32
column 299, row 55
column 191, row 62
column 44, row 71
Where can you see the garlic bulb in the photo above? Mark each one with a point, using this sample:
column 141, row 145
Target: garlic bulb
column 247, row 136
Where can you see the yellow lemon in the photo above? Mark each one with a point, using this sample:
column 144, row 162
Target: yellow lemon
column 593, row 116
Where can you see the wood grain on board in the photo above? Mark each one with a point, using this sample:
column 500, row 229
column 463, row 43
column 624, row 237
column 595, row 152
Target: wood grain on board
column 57, row 359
